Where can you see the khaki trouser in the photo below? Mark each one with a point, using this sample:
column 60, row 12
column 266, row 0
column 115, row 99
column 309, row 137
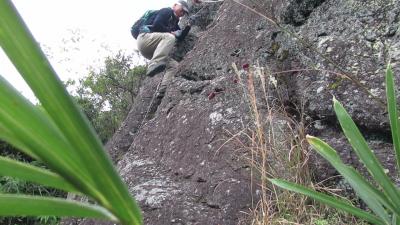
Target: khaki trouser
column 156, row 46
column 169, row 74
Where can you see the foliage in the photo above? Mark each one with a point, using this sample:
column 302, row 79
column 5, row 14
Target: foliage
column 384, row 200
column 60, row 137
column 19, row 186
column 106, row 96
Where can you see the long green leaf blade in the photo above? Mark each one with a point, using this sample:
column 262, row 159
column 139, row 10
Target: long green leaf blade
column 20, row 47
column 21, row 205
column 362, row 150
column 393, row 114
column 395, row 221
column 8, row 136
column 328, row 200
column 26, row 127
column 369, row 194
column 24, row 171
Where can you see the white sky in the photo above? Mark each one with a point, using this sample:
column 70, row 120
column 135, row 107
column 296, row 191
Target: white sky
column 78, row 34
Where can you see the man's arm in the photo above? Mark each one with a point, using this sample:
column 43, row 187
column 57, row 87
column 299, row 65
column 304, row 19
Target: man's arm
column 181, row 34
column 160, row 23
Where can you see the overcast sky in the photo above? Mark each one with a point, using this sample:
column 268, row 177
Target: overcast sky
column 78, row 34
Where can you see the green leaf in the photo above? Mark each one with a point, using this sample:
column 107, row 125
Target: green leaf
column 24, row 171
column 24, row 126
column 328, row 200
column 20, row 46
column 8, row 136
column 369, row 194
column 395, row 220
column 21, row 205
column 361, row 148
column 393, row 114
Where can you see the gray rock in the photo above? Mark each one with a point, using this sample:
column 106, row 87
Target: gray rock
column 354, row 44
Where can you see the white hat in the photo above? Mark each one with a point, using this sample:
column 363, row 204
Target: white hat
column 184, row 5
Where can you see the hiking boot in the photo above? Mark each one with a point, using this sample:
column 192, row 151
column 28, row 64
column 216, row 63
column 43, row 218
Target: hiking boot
column 153, row 70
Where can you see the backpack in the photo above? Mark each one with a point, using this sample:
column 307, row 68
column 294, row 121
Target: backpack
column 146, row 19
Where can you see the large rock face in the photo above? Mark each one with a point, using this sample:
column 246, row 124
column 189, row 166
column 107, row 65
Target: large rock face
column 356, row 40
column 360, row 37
column 179, row 163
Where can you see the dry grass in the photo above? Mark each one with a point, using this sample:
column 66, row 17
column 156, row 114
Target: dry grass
column 278, row 149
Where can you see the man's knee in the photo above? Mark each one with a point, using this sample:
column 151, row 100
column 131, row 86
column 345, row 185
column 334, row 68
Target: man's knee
column 167, row 43
column 170, row 38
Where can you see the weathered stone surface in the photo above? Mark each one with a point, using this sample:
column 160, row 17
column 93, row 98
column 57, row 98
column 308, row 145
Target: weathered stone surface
column 358, row 38
column 297, row 12
column 119, row 144
column 353, row 35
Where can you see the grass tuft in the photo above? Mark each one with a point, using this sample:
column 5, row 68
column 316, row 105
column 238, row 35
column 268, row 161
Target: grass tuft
column 278, row 148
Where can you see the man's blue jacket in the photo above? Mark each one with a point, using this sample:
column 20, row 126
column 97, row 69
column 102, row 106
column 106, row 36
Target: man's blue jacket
column 165, row 21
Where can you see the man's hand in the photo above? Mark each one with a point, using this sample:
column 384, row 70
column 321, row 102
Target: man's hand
column 177, row 33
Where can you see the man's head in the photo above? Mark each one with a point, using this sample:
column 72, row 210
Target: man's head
column 180, row 8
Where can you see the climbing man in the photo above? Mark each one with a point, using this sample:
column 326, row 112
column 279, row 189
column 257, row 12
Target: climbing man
column 156, row 40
